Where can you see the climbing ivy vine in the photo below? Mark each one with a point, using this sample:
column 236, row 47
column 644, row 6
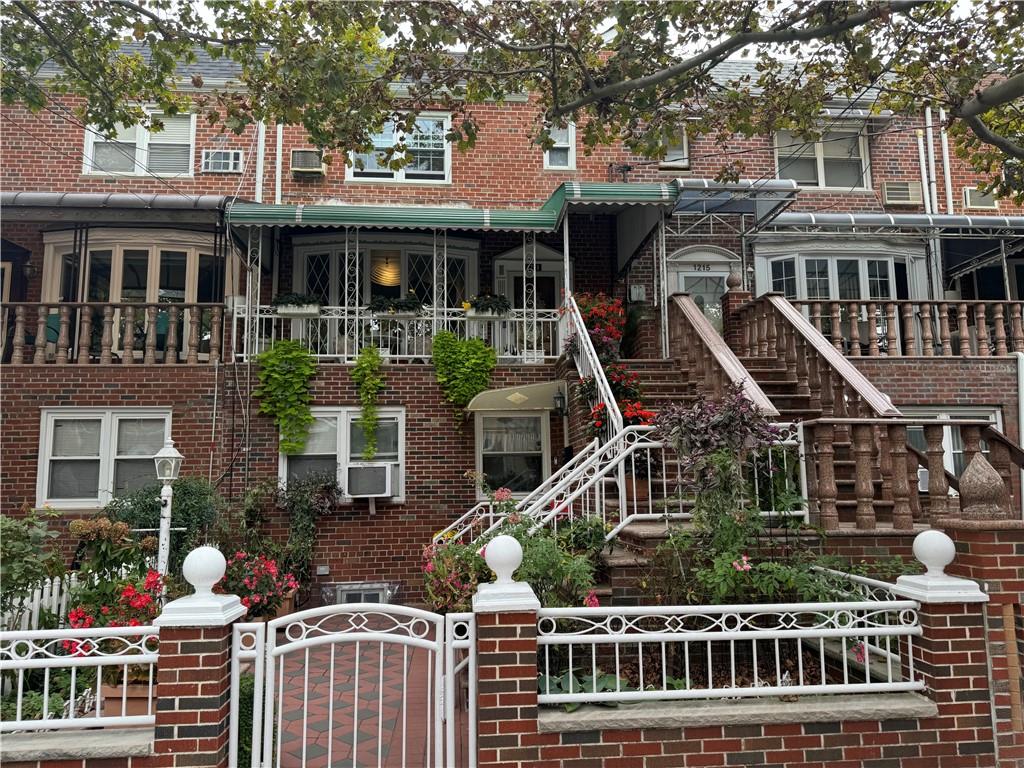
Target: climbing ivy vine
column 462, row 366
column 368, row 376
column 285, row 371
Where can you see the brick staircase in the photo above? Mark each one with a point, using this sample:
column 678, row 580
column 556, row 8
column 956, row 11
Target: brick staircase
column 662, row 381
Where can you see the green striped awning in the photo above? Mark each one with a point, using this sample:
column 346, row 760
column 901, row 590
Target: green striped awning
column 544, row 219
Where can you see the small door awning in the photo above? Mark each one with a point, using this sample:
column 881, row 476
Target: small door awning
column 529, row 397
column 760, row 197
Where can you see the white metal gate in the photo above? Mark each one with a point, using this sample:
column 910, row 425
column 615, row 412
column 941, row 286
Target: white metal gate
column 354, row 685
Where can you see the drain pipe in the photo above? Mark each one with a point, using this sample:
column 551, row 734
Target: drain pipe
column 1020, row 413
column 278, row 163
column 261, row 149
column 934, row 270
column 946, row 170
column 933, row 194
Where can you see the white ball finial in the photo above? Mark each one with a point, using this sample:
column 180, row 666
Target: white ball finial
column 504, row 554
column 204, row 567
column 935, row 550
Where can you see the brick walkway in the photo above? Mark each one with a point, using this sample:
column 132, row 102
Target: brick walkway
column 394, row 712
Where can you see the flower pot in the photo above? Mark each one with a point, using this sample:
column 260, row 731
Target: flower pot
column 299, row 310
column 287, row 606
column 126, row 700
column 484, row 314
column 638, row 489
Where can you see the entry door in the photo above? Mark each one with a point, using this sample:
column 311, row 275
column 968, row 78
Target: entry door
column 706, row 289
column 549, row 291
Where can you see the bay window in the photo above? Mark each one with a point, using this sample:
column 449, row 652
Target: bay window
column 838, row 161
column 428, row 152
column 140, row 151
column 513, row 449
column 88, row 456
column 833, row 278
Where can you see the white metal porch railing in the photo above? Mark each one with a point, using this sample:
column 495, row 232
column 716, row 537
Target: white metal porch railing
column 482, row 518
column 79, row 678
column 340, row 332
column 597, row 655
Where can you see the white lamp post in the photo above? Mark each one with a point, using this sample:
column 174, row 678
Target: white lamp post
column 168, row 464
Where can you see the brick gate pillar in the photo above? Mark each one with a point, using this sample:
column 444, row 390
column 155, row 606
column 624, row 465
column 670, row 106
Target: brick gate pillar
column 194, row 669
column 506, row 646
column 950, row 655
column 732, row 301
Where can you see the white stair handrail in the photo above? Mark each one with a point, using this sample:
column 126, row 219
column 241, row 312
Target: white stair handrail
column 589, row 365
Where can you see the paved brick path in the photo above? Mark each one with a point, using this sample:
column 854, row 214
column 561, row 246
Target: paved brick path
column 394, row 713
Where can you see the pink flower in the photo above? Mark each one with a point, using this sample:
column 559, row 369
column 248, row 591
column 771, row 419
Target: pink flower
column 482, row 551
column 591, row 601
column 860, row 652
column 503, row 494
column 429, row 568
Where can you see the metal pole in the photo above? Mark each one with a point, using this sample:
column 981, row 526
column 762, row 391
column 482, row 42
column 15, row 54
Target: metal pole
column 164, row 550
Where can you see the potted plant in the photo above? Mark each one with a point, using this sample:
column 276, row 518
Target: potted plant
column 404, row 308
column 297, row 305
column 262, row 587
column 487, row 306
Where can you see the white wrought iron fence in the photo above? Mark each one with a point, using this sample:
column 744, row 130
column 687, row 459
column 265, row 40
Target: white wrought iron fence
column 600, row 655
column 338, row 333
column 62, row 679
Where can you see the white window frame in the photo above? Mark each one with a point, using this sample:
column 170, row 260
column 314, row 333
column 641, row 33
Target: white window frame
column 345, row 416
column 545, row 442
column 142, row 138
column 108, row 418
column 570, row 144
column 398, row 177
column 833, row 260
column 819, row 155
column 953, row 412
column 682, row 163
column 118, row 241
column 207, row 153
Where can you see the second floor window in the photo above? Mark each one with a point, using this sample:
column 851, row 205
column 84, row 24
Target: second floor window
column 562, row 156
column 136, row 151
column 838, row 161
column 429, row 153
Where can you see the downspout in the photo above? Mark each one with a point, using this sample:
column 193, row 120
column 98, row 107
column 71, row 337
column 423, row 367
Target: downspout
column 946, row 172
column 261, row 148
column 278, row 163
column 933, row 194
column 1020, row 414
column 934, row 276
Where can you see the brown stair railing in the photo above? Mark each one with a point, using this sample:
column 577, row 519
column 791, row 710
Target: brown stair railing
column 919, row 328
column 63, row 333
column 889, row 474
column 694, row 339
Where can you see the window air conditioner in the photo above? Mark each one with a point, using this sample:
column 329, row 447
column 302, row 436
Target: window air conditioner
column 975, row 198
column 308, row 161
column 368, row 481
column 901, row 192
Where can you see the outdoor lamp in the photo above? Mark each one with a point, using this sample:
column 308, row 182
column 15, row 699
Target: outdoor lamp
column 168, row 464
column 559, row 400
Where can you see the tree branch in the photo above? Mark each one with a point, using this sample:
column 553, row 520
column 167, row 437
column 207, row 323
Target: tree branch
column 1010, row 89
column 987, row 135
column 771, row 37
column 168, row 32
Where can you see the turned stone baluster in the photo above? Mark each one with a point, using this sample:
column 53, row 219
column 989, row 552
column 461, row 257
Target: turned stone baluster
column 762, row 322
column 872, row 330
column 981, row 329
column 965, row 333
column 913, row 486
column 927, row 340
column 827, row 392
column 841, row 407
column 891, row 339
column 938, row 485
column 800, row 355
column 813, row 508
column 85, row 335
column 909, row 345
column 944, row 335
column 40, row 354
column 813, row 374
column 863, row 485
column 107, row 336
column 816, row 315
column 837, row 326
column 999, row 329
column 885, row 462
column 128, row 342
column 171, row 346
column 971, row 436
column 854, row 329
column 63, row 336
column 826, row 477
column 902, row 514
column 773, row 334
column 999, row 458
column 215, row 331
column 149, row 356
column 18, row 351
column 194, row 315
column 1017, row 327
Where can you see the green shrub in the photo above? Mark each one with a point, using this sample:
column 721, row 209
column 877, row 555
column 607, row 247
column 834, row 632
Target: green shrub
column 285, row 371
column 463, row 367
column 26, row 555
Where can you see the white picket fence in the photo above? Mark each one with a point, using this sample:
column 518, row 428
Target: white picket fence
column 50, row 596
